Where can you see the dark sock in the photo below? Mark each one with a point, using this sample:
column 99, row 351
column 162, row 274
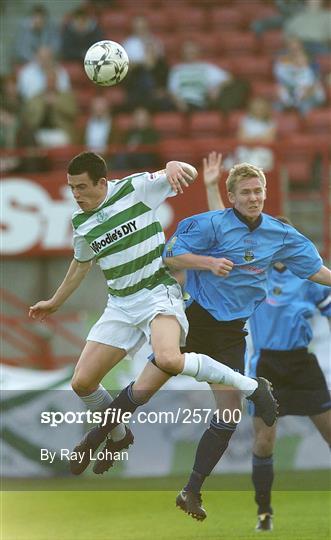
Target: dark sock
column 211, row 447
column 123, row 402
column 262, row 477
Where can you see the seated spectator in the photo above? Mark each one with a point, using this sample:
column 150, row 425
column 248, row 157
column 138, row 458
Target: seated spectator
column 51, row 114
column 78, row 34
column 141, row 132
column 35, row 31
column 286, row 10
column 147, row 78
column 257, row 125
column 312, row 25
column 32, row 78
column 99, row 129
column 195, row 84
column 299, row 86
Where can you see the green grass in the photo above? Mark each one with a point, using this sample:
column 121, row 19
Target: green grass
column 151, row 515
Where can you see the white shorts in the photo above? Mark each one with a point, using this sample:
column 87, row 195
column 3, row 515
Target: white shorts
column 125, row 323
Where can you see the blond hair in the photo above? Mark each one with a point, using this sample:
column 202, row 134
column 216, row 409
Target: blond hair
column 243, row 171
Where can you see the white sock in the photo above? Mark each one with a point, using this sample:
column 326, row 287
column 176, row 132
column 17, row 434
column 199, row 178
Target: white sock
column 100, row 400
column 203, row 368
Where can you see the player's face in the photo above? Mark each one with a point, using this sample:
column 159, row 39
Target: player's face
column 87, row 194
column 248, row 197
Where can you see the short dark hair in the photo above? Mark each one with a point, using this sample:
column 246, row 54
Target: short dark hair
column 91, row 163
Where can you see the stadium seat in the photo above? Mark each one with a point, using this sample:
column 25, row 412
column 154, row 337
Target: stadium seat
column 268, row 90
column 319, row 121
column 116, row 95
column 182, row 17
column 252, row 67
column 169, row 124
column 117, row 21
column 179, row 148
column 271, row 42
column 123, row 121
column 324, row 63
column 233, row 122
column 237, row 42
column 287, row 123
column 85, row 95
column 206, row 124
column 225, row 18
column 253, row 10
column 76, row 73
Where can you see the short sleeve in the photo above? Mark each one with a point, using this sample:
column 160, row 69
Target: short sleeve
column 153, row 188
column 299, row 254
column 194, row 235
column 321, row 297
column 82, row 250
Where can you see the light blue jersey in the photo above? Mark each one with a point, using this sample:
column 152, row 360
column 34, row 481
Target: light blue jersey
column 281, row 322
column 253, row 250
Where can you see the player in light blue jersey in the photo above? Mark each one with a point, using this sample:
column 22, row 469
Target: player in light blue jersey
column 246, row 243
column 281, row 333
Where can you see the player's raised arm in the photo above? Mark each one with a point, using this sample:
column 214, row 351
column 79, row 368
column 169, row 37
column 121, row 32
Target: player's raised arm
column 76, row 273
column 212, row 172
column 323, row 276
column 180, row 174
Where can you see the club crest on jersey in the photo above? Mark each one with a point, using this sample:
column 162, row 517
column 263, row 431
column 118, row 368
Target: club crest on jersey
column 277, row 291
column 170, row 245
column 249, row 255
column 101, row 216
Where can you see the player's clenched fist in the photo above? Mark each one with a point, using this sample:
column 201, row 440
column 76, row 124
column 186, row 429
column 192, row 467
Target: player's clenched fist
column 180, row 174
column 42, row 309
column 221, row 267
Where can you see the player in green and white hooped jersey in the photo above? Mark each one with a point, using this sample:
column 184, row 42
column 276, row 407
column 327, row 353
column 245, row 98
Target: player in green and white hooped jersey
column 117, row 226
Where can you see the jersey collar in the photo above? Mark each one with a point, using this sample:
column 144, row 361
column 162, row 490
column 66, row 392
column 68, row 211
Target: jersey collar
column 251, row 226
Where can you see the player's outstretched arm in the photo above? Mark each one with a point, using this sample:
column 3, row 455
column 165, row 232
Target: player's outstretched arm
column 323, row 276
column 76, row 273
column 212, row 172
column 220, row 267
column 180, row 174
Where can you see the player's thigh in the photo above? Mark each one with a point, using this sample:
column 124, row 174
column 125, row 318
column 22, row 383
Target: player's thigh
column 264, row 437
column 149, row 381
column 323, row 423
column 165, row 334
column 227, row 397
column 95, row 361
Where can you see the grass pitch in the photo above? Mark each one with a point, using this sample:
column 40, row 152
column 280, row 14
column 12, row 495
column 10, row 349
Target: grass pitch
column 150, row 514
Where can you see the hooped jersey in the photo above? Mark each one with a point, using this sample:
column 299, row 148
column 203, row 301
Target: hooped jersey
column 124, row 234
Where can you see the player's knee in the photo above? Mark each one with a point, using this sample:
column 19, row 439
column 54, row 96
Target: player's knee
column 82, row 385
column 169, row 361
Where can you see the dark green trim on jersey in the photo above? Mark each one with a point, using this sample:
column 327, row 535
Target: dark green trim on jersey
column 132, row 240
column 122, row 192
column 132, row 266
column 122, row 217
column 160, row 277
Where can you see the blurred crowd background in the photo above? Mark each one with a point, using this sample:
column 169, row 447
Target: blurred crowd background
column 248, row 78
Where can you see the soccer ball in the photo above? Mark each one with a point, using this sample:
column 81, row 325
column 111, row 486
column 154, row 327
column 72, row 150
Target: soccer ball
column 106, row 63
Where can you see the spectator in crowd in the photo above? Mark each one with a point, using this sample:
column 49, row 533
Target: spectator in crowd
column 147, row 78
column 299, row 86
column 13, row 132
column 35, row 31
column 141, row 132
column 312, row 25
column 257, row 125
column 99, row 128
column 51, row 114
column 286, row 9
column 32, row 78
column 195, row 84
column 79, row 33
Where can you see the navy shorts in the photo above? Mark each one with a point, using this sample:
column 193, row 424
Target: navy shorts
column 222, row 340
column 298, row 381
